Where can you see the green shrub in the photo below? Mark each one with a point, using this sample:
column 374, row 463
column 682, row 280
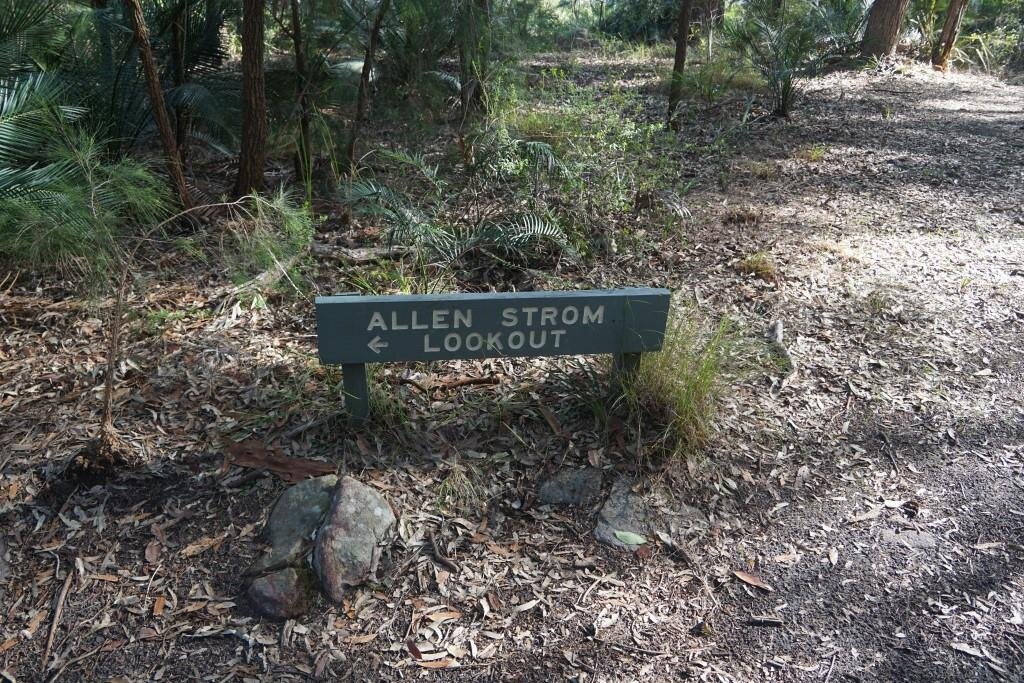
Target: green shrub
column 645, row 20
column 428, row 223
column 783, row 48
column 72, row 208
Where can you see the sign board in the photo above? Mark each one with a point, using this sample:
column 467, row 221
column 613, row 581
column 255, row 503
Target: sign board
column 354, row 330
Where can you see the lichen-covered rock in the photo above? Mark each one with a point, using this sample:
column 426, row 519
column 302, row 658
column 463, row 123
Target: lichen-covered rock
column 571, row 487
column 359, row 524
column 283, row 594
column 624, row 511
column 627, row 515
column 295, row 517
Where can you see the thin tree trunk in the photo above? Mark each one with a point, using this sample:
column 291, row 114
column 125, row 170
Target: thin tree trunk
column 254, row 102
column 156, row 100
column 675, row 92
column 885, row 24
column 950, row 32
column 474, row 55
column 182, row 116
column 109, row 451
column 363, row 96
column 303, row 166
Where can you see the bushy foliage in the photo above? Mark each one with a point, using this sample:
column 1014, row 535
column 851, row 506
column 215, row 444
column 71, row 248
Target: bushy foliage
column 268, row 231
column 644, row 20
column 838, row 25
column 64, row 200
column 440, row 237
column 784, row 49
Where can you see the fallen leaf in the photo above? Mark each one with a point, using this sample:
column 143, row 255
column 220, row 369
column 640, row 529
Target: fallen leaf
column 833, row 556
column 158, row 606
column 410, row 644
column 438, row 664
column 112, row 645
column 873, row 513
column 200, row 546
column 361, row 639
column 438, row 617
column 8, row 644
column 753, row 580
column 253, row 454
column 629, row 538
column 526, row 606
column 153, row 551
column 968, row 650
column 549, row 417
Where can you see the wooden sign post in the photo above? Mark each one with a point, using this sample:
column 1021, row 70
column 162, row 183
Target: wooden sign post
column 355, row 330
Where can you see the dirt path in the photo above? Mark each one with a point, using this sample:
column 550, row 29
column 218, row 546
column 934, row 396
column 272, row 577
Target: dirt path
column 879, row 491
column 890, row 519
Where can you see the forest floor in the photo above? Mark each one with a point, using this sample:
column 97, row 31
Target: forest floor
column 873, row 501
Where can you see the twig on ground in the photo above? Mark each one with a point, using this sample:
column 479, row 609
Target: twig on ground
column 57, row 613
column 312, row 424
column 441, row 557
column 465, row 382
column 71, row 662
column 831, row 666
column 764, row 620
column 360, row 256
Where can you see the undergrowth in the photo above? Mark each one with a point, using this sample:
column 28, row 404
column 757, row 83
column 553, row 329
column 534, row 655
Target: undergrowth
column 681, row 385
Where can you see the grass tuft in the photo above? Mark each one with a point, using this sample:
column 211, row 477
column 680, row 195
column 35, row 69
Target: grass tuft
column 682, row 383
column 459, row 491
column 761, row 265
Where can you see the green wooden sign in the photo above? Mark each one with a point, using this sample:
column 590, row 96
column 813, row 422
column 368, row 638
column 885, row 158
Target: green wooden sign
column 355, row 330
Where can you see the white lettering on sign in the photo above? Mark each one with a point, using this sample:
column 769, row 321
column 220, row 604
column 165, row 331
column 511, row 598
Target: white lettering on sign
column 438, row 321
column 551, row 316
column 540, row 318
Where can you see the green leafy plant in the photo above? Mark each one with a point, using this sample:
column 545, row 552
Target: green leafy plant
column 428, row 224
column 783, row 48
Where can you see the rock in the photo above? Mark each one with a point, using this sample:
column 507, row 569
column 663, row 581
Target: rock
column 295, row 517
column 571, row 487
column 283, row 594
column 915, row 539
column 623, row 511
column 348, row 546
column 630, row 513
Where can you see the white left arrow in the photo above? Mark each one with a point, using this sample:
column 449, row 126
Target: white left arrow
column 376, row 344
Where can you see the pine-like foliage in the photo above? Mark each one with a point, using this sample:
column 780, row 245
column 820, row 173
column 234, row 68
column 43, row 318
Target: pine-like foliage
column 63, row 199
column 426, row 224
column 783, row 48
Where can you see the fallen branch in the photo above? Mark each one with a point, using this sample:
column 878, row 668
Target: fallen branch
column 57, row 613
column 71, row 662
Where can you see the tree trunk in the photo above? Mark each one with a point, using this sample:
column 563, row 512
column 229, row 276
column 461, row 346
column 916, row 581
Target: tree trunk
column 182, row 116
column 363, row 96
column 254, row 102
column 675, row 92
column 474, row 55
column 885, row 24
column 950, row 32
column 304, row 156
column 156, row 100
